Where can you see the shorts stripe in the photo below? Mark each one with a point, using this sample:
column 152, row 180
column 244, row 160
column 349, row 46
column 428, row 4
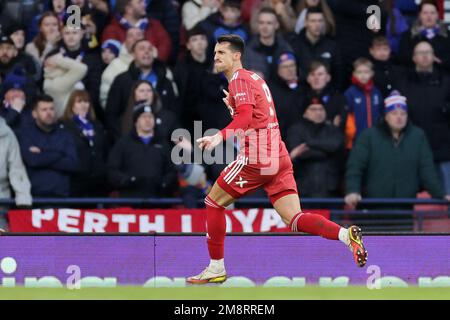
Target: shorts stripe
column 231, row 177
column 232, row 171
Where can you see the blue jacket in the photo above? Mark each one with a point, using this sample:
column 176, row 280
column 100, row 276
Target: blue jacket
column 363, row 111
column 49, row 171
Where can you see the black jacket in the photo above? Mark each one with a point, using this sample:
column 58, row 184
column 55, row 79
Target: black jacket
column 49, row 171
column 89, row 179
column 288, row 103
column 189, row 73
column 317, row 170
column 386, row 76
column 17, row 121
column 120, row 92
column 428, row 99
column 325, row 50
column 139, row 170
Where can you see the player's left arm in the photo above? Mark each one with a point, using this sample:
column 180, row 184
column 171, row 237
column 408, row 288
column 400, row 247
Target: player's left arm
column 244, row 102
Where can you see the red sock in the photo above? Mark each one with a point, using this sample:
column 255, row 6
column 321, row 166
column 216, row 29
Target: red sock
column 315, row 224
column 216, row 228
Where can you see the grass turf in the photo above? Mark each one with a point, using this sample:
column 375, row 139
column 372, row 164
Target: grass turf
column 212, row 293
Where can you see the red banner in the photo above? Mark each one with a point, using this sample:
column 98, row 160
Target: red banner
column 142, row 220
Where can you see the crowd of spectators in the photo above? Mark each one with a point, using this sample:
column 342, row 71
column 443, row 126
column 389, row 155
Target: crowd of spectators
column 90, row 111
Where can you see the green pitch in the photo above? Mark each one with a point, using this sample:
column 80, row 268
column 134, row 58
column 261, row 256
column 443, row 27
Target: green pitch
column 211, row 293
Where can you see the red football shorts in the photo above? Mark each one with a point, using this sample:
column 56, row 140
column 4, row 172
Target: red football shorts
column 240, row 178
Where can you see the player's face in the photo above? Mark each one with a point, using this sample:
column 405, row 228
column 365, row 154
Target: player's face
column 319, row 78
column 224, row 58
column 396, row 119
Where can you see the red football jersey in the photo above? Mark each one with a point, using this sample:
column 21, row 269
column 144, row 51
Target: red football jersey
column 262, row 140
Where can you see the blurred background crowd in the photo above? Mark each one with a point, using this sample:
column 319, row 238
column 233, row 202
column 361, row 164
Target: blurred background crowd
column 363, row 104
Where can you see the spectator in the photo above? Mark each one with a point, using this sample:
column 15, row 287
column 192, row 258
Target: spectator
column 47, row 38
column 428, row 92
column 14, row 70
column 165, row 120
column 392, row 159
column 14, row 107
column 119, row 64
column 48, row 152
column 56, row 7
column 429, row 28
column 320, row 86
column 286, row 92
column 364, row 101
column 110, row 51
column 131, row 13
column 194, row 11
column 62, row 75
column 75, row 48
column 165, row 12
column 352, row 35
column 302, row 8
column 17, row 35
column 87, row 133
column 385, row 72
column 12, row 172
column 312, row 45
column 315, row 147
column 138, row 166
column 266, row 45
column 284, row 10
column 396, row 24
column 190, row 72
column 144, row 67
column 226, row 21
column 94, row 16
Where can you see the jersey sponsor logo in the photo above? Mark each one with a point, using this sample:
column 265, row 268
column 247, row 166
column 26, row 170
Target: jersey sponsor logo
column 240, row 95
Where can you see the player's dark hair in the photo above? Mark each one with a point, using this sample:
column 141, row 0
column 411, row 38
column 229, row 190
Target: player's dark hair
column 235, row 41
column 41, row 98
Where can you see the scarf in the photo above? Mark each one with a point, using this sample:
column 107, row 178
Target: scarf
column 86, row 127
column 146, row 140
column 141, row 24
column 429, row 33
column 367, row 88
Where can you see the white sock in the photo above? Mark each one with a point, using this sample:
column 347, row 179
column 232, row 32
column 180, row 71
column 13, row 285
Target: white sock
column 343, row 236
column 217, row 265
